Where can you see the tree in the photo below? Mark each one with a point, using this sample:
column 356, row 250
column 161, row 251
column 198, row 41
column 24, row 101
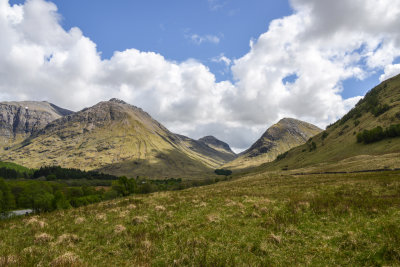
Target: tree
column 124, row 186
column 7, row 201
column 60, row 202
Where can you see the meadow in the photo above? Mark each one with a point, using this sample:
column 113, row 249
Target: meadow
column 266, row 219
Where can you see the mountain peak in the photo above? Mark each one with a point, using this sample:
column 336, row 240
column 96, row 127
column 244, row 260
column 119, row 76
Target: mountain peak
column 116, row 100
column 278, row 138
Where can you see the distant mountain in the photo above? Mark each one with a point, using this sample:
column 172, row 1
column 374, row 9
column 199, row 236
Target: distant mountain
column 216, row 144
column 279, row 138
column 18, row 120
column 210, row 147
column 337, row 149
column 116, row 138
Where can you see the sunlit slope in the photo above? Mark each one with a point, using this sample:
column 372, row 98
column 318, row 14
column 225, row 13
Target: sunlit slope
column 337, row 148
column 115, row 137
column 280, row 137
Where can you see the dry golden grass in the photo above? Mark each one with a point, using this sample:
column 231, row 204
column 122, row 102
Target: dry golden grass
column 264, row 219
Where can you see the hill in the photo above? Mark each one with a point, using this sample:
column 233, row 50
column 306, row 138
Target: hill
column 19, row 120
column 116, row 138
column 279, row 138
column 337, row 149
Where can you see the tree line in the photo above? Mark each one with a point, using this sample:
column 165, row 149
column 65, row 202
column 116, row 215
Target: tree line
column 378, row 133
column 45, row 196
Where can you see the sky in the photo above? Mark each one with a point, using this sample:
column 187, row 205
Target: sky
column 228, row 68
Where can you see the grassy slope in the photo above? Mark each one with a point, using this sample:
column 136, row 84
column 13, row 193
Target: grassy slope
column 340, row 150
column 264, row 219
column 14, row 166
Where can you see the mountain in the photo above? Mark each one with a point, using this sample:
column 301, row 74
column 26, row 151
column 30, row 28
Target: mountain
column 279, row 138
column 18, row 120
column 116, row 138
column 337, row 149
column 218, row 145
column 203, row 148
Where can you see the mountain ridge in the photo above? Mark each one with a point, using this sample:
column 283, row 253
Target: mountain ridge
column 115, row 137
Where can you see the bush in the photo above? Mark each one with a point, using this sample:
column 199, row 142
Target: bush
column 223, row 172
column 312, row 146
column 282, row 156
column 379, row 110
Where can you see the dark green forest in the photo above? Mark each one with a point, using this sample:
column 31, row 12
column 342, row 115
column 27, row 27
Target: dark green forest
column 52, row 187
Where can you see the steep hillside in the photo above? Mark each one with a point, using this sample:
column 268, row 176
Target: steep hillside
column 280, row 137
column 18, row 120
column 337, row 149
column 117, row 138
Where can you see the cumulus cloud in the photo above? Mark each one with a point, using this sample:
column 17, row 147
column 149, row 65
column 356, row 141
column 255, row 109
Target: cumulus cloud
column 208, row 38
column 321, row 44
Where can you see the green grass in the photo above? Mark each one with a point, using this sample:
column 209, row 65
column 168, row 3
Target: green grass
column 259, row 220
column 16, row 167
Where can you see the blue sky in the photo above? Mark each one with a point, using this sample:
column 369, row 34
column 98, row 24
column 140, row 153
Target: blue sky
column 228, row 68
column 166, row 27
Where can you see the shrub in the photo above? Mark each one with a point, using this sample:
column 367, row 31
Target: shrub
column 379, row 110
column 312, row 146
column 282, row 156
column 223, row 172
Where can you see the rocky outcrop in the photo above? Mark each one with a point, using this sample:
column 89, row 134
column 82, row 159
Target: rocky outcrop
column 22, row 119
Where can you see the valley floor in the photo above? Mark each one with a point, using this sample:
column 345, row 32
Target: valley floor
column 267, row 219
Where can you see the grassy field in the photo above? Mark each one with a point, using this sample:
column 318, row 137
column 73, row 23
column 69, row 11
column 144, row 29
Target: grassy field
column 266, row 219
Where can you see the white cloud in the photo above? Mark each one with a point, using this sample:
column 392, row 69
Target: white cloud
column 390, row 71
column 222, row 59
column 324, row 43
column 199, row 39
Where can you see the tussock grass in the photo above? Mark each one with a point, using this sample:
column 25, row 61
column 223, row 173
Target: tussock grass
column 258, row 220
